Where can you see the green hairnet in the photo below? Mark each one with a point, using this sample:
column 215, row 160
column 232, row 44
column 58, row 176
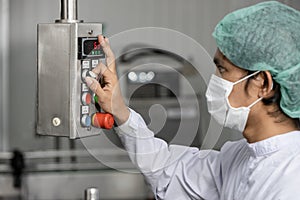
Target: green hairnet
column 263, row 37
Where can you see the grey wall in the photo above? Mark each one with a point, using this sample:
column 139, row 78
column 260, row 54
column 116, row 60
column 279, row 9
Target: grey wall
column 195, row 18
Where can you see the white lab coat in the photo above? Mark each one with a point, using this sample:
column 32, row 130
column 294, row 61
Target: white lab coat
column 266, row 170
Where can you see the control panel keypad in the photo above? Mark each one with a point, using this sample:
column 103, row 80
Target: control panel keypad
column 87, row 96
column 90, row 55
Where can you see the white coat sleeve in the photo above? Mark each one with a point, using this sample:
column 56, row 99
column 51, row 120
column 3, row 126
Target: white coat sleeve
column 173, row 172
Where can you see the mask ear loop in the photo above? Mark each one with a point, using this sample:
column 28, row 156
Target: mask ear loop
column 261, row 98
column 246, row 77
column 255, row 102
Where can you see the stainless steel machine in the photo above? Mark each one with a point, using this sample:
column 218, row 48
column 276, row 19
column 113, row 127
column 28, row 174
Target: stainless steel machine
column 67, row 52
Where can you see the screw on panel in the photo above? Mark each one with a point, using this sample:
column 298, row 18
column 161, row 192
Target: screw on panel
column 91, row 32
column 56, row 121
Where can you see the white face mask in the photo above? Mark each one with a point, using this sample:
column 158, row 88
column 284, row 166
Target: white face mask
column 219, row 107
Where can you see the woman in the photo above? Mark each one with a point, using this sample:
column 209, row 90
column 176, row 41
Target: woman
column 256, row 90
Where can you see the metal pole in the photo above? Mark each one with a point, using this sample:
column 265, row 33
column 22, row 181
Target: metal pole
column 91, row 194
column 68, row 11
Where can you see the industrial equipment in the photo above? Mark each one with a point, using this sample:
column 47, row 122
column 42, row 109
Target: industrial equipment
column 67, row 52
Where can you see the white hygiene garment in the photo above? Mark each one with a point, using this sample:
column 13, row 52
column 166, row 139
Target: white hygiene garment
column 266, row 170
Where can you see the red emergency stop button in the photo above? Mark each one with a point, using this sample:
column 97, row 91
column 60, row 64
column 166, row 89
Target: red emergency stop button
column 103, row 120
column 86, row 98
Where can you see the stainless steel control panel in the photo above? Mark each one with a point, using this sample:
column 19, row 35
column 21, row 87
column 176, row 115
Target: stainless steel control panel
column 67, row 52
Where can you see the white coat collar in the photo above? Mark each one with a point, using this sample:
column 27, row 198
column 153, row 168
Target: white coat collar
column 275, row 143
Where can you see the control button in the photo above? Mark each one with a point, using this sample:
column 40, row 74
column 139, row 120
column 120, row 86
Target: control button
column 85, row 110
column 85, row 64
column 95, row 99
column 86, row 98
column 86, row 121
column 86, row 73
column 103, row 120
column 95, row 63
column 84, row 87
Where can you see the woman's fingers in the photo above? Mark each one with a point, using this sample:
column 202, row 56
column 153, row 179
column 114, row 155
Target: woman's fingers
column 108, row 91
column 99, row 70
column 94, row 85
column 110, row 57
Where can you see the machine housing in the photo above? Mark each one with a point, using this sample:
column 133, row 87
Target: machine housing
column 64, row 102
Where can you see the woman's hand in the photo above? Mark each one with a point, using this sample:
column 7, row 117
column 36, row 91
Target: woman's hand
column 109, row 94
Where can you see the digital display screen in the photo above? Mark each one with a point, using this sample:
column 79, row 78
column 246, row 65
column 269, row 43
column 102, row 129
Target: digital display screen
column 92, row 47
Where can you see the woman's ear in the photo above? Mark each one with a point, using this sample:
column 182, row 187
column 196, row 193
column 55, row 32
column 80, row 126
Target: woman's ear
column 266, row 85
